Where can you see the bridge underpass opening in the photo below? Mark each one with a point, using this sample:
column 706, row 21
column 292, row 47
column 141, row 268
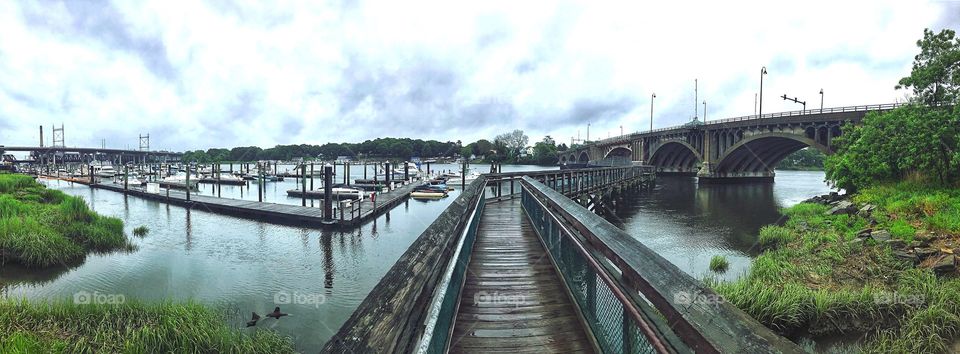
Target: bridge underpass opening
column 756, row 159
column 584, row 158
column 618, row 156
column 675, row 158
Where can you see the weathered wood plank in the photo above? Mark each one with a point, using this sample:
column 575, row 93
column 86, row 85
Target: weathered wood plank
column 512, row 300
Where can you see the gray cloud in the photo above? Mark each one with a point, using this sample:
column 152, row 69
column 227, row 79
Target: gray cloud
column 101, row 21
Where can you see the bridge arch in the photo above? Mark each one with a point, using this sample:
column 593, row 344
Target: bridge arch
column 761, row 153
column 563, row 159
column 584, row 157
column 619, row 151
column 675, row 156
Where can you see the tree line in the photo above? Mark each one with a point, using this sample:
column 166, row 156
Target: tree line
column 509, row 147
column 388, row 148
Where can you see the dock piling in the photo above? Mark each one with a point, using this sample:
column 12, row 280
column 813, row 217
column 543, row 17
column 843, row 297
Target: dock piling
column 327, row 193
column 303, row 182
column 387, row 174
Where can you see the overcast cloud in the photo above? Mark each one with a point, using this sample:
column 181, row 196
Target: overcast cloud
column 223, row 73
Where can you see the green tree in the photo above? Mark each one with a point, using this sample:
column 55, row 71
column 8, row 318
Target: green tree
column 545, row 152
column 935, row 76
column 920, row 139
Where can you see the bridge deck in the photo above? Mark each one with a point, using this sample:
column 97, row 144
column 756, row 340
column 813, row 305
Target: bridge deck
column 513, row 300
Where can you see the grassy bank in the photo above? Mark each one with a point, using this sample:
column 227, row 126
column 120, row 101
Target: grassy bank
column 888, row 272
column 40, row 227
column 64, row 327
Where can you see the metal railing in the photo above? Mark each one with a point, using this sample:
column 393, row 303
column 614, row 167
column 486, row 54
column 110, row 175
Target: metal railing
column 411, row 308
column 618, row 324
column 632, row 299
column 442, row 313
column 570, row 182
column 861, row 108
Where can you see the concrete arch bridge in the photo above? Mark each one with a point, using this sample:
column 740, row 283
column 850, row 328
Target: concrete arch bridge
column 735, row 149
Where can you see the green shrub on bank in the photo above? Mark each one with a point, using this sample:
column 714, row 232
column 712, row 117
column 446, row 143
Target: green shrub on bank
column 130, row 327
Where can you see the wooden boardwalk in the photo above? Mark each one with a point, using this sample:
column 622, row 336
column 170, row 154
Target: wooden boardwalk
column 272, row 212
column 513, row 299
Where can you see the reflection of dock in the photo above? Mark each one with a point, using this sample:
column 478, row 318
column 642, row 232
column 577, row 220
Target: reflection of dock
column 346, row 213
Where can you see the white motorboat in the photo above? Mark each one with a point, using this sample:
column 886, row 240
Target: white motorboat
column 179, row 181
column 103, row 169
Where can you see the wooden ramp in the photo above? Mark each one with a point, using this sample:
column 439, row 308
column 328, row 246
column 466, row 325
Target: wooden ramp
column 513, row 300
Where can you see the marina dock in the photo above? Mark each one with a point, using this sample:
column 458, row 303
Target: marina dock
column 345, row 213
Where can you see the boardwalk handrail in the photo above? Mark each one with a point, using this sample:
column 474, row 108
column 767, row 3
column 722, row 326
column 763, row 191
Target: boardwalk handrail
column 394, row 316
column 570, row 182
column 638, row 330
column 692, row 311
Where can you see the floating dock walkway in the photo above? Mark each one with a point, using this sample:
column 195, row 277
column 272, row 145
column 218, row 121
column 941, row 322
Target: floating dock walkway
column 345, row 213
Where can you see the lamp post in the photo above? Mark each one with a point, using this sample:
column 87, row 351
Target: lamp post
column 588, row 131
column 704, row 111
column 695, row 96
column 652, row 96
column 821, row 100
column 621, row 131
column 763, row 71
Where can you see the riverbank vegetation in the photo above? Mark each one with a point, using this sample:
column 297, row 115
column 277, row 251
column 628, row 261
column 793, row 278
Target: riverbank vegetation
column 881, row 261
column 129, row 327
column 719, row 264
column 40, row 227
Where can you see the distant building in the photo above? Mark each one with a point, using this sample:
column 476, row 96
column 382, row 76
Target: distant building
column 344, row 158
column 528, row 151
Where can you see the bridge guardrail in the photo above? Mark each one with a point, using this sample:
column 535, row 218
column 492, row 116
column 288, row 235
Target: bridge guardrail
column 861, row 108
column 604, row 265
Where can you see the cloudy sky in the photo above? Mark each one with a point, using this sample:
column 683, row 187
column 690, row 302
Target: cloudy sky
column 221, row 73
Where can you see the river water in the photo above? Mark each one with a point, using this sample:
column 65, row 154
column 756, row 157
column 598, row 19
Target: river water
column 319, row 277
column 688, row 223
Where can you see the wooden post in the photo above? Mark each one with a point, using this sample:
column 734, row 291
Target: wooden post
column 219, row 185
column 311, row 176
column 327, row 193
column 406, row 172
column 388, row 174
column 188, row 182
column 260, row 188
column 126, row 176
column 365, row 169
column 463, row 175
column 303, row 189
column 347, row 174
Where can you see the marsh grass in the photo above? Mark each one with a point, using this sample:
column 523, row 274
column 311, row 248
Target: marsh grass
column 811, row 278
column 131, row 327
column 40, row 227
column 141, row 231
column 719, row 264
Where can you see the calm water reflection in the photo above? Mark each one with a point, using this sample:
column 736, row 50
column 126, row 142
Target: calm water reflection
column 689, row 223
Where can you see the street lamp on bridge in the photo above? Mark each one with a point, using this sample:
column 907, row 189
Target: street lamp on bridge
column 652, row 96
column 763, row 71
column 704, row 111
column 821, row 100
